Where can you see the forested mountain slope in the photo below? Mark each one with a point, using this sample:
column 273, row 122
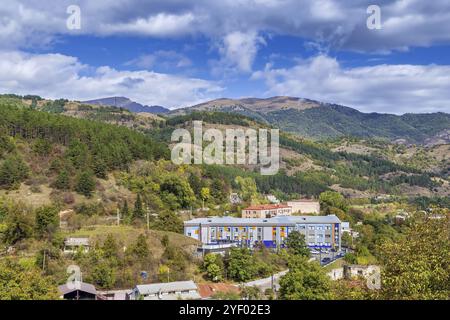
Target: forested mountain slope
column 318, row 120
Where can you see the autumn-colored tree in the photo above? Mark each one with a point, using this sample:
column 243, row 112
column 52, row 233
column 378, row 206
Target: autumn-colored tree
column 24, row 283
column 204, row 194
column 416, row 266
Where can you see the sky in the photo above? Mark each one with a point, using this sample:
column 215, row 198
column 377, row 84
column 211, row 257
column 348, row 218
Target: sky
column 178, row 53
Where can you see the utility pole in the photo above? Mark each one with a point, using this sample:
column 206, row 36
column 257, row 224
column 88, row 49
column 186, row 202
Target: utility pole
column 43, row 262
column 148, row 218
column 272, row 284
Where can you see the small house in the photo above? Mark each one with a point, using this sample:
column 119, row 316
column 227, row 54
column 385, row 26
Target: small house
column 179, row 290
column 72, row 245
column 78, row 291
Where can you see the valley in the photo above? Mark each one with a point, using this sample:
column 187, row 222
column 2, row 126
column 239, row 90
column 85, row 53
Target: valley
column 102, row 173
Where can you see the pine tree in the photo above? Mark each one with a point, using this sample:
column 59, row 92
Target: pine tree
column 13, row 171
column 86, row 183
column 100, row 168
column 138, row 211
column 110, row 247
column 140, row 247
column 62, row 182
column 125, row 211
column 46, row 221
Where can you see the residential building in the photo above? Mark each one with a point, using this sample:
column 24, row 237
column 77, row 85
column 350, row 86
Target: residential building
column 304, row 206
column 353, row 271
column 272, row 199
column 266, row 211
column 71, row 245
column 78, row 291
column 166, row 291
column 345, row 227
column 114, row 294
column 319, row 231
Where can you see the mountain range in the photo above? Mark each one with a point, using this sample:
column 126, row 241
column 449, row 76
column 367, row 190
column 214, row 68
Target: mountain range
column 317, row 120
column 123, row 102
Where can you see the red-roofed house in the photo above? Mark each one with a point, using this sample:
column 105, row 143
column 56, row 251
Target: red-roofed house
column 267, row 211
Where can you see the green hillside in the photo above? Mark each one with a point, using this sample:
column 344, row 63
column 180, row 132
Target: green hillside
column 315, row 120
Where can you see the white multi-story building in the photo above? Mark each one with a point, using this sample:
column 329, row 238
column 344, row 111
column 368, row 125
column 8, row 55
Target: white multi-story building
column 319, row 231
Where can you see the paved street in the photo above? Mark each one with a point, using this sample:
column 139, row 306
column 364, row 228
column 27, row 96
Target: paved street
column 266, row 283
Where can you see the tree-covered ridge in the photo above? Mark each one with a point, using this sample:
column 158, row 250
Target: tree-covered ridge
column 324, row 121
column 334, row 121
column 211, row 117
column 73, row 147
column 116, row 145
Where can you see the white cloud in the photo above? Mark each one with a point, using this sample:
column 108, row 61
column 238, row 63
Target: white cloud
column 56, row 76
column 239, row 50
column 339, row 24
column 158, row 25
column 235, row 29
column 380, row 88
column 165, row 59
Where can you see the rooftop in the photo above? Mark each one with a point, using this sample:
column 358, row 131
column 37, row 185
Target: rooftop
column 76, row 242
column 155, row 288
column 267, row 207
column 274, row 220
column 81, row 286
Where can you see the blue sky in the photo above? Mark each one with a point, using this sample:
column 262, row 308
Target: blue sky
column 178, row 53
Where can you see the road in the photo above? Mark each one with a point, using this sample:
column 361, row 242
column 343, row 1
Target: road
column 266, row 283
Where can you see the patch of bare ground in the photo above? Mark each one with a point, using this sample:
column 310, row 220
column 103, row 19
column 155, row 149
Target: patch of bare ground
column 352, row 193
column 355, row 148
